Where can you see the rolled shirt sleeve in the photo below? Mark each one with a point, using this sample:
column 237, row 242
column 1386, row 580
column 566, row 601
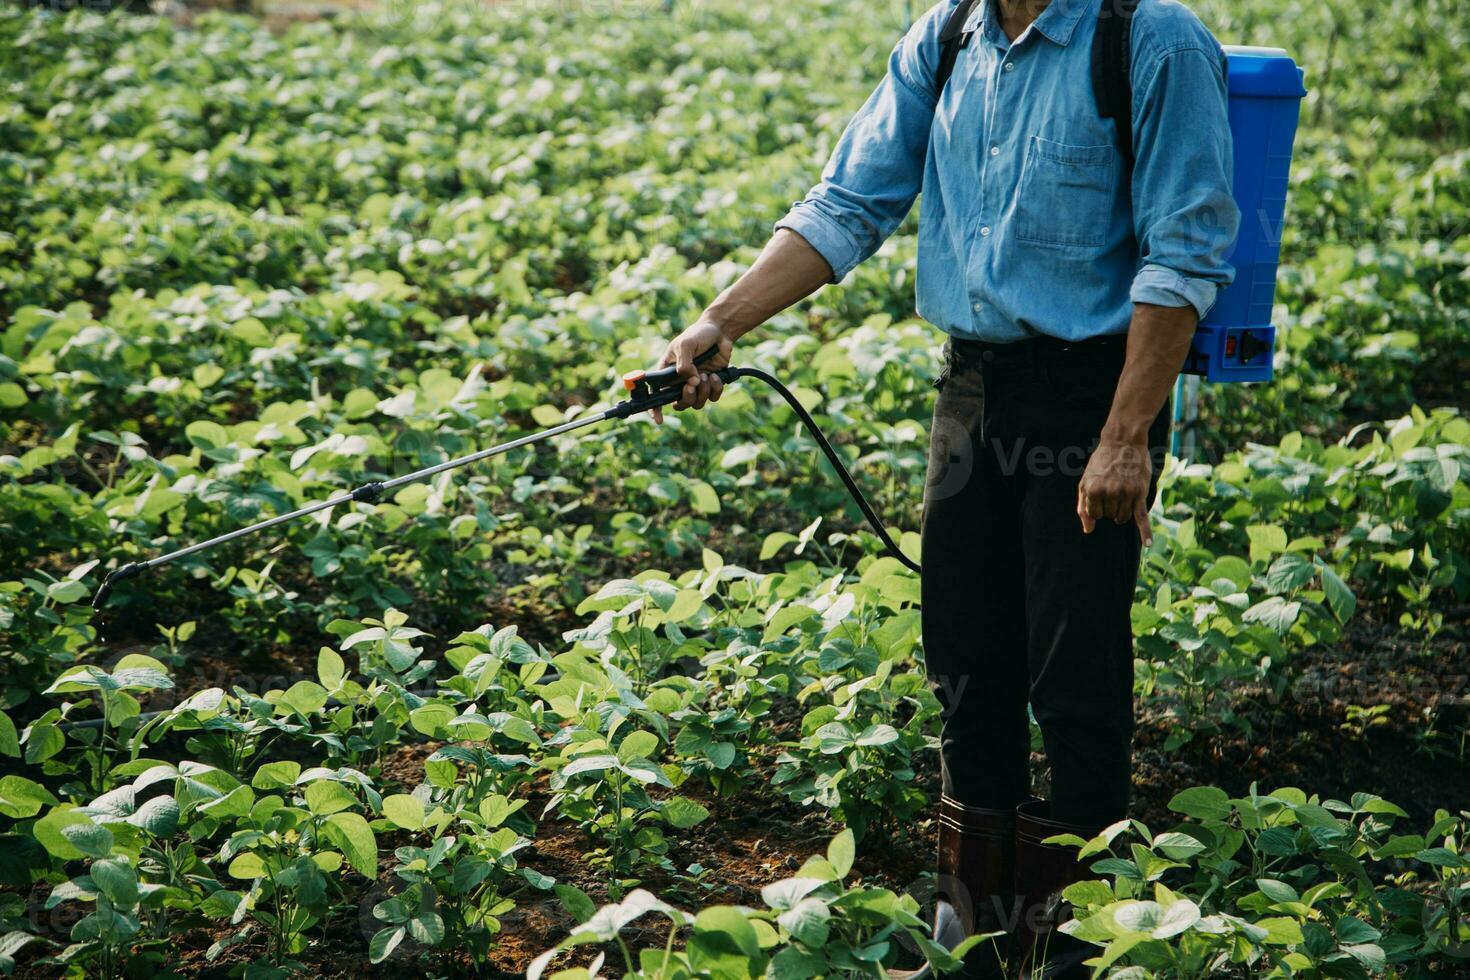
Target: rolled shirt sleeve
column 875, row 171
column 1163, row 286
column 1185, row 216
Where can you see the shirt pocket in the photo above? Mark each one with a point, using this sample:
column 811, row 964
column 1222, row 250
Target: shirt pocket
column 1065, row 197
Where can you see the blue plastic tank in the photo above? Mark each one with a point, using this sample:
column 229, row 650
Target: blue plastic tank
column 1235, row 340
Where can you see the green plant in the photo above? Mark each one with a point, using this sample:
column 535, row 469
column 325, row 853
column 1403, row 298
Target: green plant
column 1361, row 720
column 606, row 789
column 285, row 848
column 814, row 924
column 1276, row 884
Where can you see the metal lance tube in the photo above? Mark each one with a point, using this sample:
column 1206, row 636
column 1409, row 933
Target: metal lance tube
column 647, row 389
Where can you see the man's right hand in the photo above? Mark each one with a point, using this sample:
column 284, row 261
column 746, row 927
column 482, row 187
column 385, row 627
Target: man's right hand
column 700, row 384
column 787, row 270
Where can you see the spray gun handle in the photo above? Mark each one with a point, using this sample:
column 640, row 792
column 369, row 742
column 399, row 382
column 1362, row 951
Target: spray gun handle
column 668, row 377
column 642, row 397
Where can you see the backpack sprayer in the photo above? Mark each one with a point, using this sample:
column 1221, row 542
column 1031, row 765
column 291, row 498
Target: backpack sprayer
column 1235, row 341
column 646, row 390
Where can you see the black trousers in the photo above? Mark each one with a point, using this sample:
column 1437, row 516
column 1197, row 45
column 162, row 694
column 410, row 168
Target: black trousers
column 1018, row 604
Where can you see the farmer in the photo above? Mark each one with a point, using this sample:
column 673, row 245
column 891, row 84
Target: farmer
column 1069, row 280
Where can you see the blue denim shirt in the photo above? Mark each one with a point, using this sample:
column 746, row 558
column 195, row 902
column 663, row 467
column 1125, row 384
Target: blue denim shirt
column 1028, row 223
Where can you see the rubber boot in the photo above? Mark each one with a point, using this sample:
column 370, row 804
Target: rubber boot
column 1043, row 871
column 976, row 868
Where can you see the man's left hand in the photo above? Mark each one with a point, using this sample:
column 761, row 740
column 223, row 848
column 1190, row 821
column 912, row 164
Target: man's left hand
column 1115, row 487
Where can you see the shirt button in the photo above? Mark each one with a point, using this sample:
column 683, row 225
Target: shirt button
column 975, row 307
column 987, row 355
column 1010, row 66
column 995, row 151
column 985, row 232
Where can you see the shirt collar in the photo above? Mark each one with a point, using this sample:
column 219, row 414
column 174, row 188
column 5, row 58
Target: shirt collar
column 1058, row 21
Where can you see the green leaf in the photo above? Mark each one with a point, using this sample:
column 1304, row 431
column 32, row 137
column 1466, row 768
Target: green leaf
column 795, row 963
column 834, row 737
column 1402, row 846
column 331, row 669
column 588, row 763
column 739, row 455
column 1352, row 930
column 785, row 618
column 682, row 812
column 1280, row 930
column 1084, row 894
column 70, row 835
column 1289, row 572
column 158, row 816
column 207, row 435
column 252, row 331
column 427, row 927
column 1340, row 598
column 429, row 719
column 686, row 604
column 1443, row 857
column 575, row 901
column 774, row 542
column 9, row 737
column 788, row 892
column 247, row 866
column 1278, row 892
column 405, row 811
column 276, row 775
column 1229, row 567
column 808, row 922
column 1266, row 540
column 384, row 942
column 841, row 852
column 43, row 742
column 21, row 798
column 1178, row 846
column 326, row 796
column 878, row 735
column 703, row 497
column 115, row 879
column 10, row 944
column 235, row 803
column 720, row 754
column 352, row 833
column 305, row 697
column 66, row 591
column 724, row 944
column 1135, row 916
column 645, row 772
column 637, row 745
column 1274, row 612
column 1370, row 955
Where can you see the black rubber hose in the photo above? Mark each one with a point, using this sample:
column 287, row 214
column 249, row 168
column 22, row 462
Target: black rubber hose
column 835, row 460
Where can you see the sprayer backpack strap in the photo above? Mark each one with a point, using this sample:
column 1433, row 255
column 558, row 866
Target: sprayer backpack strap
column 1112, row 86
column 1112, row 60
column 951, row 39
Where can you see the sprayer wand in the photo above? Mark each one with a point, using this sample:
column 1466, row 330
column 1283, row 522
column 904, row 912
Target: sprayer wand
column 646, row 390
